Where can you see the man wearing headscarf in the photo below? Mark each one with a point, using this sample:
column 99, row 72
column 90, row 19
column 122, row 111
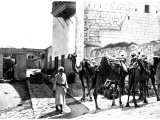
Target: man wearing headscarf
column 61, row 89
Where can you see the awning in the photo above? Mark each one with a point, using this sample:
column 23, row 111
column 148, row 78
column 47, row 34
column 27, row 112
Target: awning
column 63, row 9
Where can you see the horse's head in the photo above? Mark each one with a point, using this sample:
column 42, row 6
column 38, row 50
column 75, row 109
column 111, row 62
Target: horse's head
column 156, row 60
column 72, row 57
column 87, row 63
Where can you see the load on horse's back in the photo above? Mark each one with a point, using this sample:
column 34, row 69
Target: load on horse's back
column 108, row 70
column 140, row 71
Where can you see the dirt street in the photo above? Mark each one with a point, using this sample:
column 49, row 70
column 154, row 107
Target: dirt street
column 15, row 101
column 13, row 95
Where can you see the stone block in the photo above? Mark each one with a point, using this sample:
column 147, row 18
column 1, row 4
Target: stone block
column 1, row 66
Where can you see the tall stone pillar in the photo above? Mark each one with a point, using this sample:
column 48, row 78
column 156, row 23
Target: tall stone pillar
column 79, row 45
column 1, row 66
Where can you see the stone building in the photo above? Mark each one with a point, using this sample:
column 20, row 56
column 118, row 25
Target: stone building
column 117, row 21
column 81, row 27
column 68, row 33
column 34, row 60
column 48, row 58
column 20, row 66
column 25, row 58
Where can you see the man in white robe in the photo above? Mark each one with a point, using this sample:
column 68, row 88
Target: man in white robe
column 61, row 89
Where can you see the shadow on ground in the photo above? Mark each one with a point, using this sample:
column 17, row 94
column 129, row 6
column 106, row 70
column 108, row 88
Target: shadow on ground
column 22, row 89
column 77, row 109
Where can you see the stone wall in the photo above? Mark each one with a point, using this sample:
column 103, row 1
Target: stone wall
column 79, row 39
column 98, row 23
column 116, row 21
column 1, row 66
column 146, row 49
column 48, row 58
column 63, row 36
column 20, row 67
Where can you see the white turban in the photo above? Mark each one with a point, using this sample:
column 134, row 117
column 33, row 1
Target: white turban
column 60, row 68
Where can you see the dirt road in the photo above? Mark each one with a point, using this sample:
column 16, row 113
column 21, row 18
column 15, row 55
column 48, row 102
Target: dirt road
column 12, row 95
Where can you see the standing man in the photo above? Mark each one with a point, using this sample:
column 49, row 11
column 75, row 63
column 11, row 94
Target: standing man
column 61, row 89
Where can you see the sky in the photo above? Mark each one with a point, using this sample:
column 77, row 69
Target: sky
column 26, row 23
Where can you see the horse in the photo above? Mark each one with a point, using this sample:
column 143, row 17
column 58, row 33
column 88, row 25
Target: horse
column 150, row 71
column 111, row 71
column 137, row 74
column 85, row 70
column 156, row 66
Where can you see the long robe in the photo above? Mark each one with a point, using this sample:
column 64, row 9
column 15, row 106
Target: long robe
column 60, row 90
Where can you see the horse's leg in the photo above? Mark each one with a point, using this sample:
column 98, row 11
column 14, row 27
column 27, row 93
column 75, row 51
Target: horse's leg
column 120, row 91
column 154, row 87
column 88, row 87
column 114, row 93
column 83, row 87
column 147, row 88
column 145, row 91
column 141, row 91
column 136, row 79
column 129, row 89
column 95, row 94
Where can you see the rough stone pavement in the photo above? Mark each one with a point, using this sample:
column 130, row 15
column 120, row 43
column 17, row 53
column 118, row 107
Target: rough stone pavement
column 42, row 99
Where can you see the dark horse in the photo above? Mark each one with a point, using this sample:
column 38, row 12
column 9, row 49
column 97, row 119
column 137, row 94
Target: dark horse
column 137, row 74
column 110, row 71
column 150, row 72
column 156, row 66
column 86, row 70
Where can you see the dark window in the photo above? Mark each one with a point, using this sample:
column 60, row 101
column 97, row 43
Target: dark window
column 156, row 11
column 62, row 60
column 50, row 62
column 56, row 63
column 146, row 9
column 29, row 57
column 136, row 9
column 128, row 17
column 32, row 57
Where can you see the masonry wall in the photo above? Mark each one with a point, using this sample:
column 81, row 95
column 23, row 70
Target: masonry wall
column 48, row 58
column 116, row 21
column 68, row 37
column 63, row 36
column 79, row 31
column 1, row 66
column 20, row 67
column 145, row 49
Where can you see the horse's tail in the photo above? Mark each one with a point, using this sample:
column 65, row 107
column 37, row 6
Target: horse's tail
column 94, row 79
